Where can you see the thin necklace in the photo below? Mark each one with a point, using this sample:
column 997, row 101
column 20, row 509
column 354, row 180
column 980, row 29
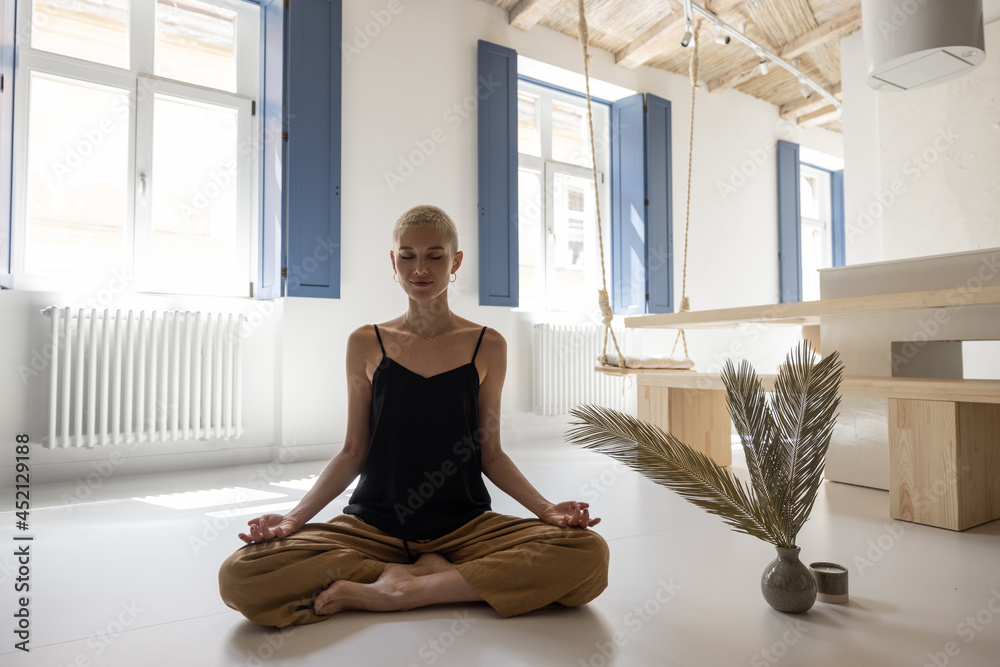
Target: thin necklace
column 412, row 330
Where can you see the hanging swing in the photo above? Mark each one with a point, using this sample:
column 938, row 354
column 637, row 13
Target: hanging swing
column 617, row 358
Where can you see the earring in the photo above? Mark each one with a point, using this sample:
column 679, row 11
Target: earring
column 395, row 278
column 454, row 277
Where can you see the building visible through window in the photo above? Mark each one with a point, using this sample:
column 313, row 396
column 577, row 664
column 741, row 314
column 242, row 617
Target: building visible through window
column 559, row 265
column 136, row 152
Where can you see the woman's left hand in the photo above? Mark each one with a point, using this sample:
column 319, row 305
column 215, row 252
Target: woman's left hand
column 569, row 513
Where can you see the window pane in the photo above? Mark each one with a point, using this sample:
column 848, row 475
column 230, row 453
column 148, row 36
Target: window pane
column 529, row 236
column 810, row 196
column 812, row 261
column 570, row 134
column 94, row 30
column 77, row 175
column 574, row 244
column 529, row 138
column 196, row 42
column 194, row 207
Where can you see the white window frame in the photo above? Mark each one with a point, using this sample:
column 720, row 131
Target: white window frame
column 142, row 85
column 824, row 223
column 547, row 168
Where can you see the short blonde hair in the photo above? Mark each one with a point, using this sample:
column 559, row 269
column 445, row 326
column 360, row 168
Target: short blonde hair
column 426, row 215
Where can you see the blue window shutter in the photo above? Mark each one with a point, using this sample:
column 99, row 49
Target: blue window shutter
column 659, row 216
column 7, row 32
column 496, row 89
column 628, row 206
column 837, row 217
column 312, row 154
column 272, row 147
column 789, row 223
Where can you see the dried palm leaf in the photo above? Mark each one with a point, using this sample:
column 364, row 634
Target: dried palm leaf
column 785, row 441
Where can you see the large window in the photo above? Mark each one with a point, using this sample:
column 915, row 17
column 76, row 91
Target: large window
column 558, row 249
column 134, row 148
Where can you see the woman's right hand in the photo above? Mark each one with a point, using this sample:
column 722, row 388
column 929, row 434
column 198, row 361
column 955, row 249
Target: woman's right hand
column 270, row 527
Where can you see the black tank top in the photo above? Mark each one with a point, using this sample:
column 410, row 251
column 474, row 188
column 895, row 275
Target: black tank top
column 423, row 475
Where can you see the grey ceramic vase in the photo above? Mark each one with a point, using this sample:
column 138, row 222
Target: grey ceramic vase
column 787, row 584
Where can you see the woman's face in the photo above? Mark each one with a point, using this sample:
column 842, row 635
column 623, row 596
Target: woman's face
column 424, row 262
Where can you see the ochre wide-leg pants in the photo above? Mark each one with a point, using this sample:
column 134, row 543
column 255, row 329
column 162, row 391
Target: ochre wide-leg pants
column 516, row 565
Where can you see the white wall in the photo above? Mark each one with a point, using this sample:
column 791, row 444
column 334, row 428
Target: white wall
column 936, row 172
column 862, row 174
column 943, row 143
column 397, row 89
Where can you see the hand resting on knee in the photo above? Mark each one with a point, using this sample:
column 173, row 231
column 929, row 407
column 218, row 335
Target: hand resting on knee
column 270, row 527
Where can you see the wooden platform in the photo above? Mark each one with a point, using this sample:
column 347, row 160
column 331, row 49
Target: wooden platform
column 967, row 391
column 943, row 435
column 809, row 312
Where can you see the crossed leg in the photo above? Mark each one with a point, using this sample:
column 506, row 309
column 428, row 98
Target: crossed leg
column 430, row 580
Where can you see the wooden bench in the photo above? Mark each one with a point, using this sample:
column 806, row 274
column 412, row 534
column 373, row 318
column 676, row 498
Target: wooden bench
column 944, row 434
column 944, row 456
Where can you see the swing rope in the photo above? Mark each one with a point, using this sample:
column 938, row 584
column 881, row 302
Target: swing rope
column 685, row 303
column 602, row 294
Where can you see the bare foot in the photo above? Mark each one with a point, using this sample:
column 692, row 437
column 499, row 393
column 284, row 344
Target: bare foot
column 429, row 564
column 430, row 580
column 386, row 594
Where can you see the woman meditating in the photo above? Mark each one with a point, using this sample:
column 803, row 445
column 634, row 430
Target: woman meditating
column 423, row 427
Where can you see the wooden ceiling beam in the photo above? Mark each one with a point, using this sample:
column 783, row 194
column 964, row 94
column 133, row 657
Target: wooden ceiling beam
column 742, row 73
column 527, row 13
column 657, row 39
column 842, row 24
column 827, row 114
column 801, row 106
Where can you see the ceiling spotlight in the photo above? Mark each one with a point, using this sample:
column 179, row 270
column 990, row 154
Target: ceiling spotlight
column 688, row 35
column 720, row 36
column 805, row 90
column 764, row 67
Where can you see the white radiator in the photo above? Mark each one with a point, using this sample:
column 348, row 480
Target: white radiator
column 160, row 376
column 563, row 368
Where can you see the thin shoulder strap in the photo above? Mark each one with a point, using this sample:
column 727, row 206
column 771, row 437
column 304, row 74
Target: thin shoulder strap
column 379, row 336
column 478, row 343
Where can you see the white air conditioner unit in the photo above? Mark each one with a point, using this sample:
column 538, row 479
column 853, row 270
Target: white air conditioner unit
column 914, row 44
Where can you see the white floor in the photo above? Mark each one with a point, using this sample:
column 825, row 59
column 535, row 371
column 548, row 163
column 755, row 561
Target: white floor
column 120, row 582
